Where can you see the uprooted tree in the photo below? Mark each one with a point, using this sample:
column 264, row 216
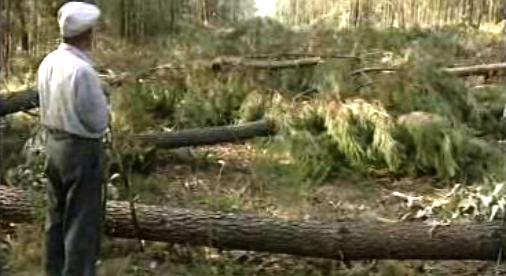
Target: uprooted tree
column 344, row 240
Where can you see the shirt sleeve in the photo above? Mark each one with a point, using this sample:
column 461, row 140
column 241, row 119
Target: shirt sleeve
column 90, row 101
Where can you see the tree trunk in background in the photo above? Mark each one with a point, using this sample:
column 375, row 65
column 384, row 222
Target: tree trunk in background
column 20, row 11
column 7, row 38
column 1, row 38
column 1, row 96
column 333, row 240
column 356, row 17
column 124, row 19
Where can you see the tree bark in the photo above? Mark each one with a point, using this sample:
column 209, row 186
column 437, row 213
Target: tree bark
column 477, row 70
column 466, row 71
column 333, row 240
column 293, row 56
column 19, row 101
column 232, row 62
column 208, row 136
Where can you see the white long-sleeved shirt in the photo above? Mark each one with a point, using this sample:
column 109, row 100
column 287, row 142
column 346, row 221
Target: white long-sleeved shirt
column 70, row 94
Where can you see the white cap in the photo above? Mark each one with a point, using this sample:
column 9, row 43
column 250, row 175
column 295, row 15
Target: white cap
column 75, row 18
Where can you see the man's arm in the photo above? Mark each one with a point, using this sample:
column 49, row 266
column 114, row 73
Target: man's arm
column 90, row 101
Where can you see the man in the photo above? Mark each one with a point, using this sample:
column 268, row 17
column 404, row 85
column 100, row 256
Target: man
column 74, row 114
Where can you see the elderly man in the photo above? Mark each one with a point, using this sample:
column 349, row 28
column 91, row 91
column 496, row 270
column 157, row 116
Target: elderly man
column 74, row 114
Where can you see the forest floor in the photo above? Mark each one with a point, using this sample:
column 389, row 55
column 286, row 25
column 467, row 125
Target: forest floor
column 235, row 178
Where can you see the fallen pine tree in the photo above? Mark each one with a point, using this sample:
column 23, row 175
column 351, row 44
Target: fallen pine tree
column 296, row 55
column 333, row 240
column 19, row 101
column 207, row 136
column 231, row 62
column 198, row 137
column 28, row 99
column 466, row 71
column 477, row 70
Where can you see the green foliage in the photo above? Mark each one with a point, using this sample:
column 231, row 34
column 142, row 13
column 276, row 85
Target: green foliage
column 254, row 107
column 143, row 105
column 324, row 137
column 23, row 154
column 130, row 113
column 362, row 133
column 429, row 142
column 302, row 144
column 436, row 146
column 489, row 107
column 212, row 100
column 6, row 254
column 226, row 203
column 423, row 88
column 312, row 159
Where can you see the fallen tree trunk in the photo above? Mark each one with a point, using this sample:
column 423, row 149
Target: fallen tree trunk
column 19, row 101
column 372, row 70
column 229, row 63
column 301, row 55
column 232, row 62
column 338, row 240
column 477, row 70
column 207, row 136
column 196, row 137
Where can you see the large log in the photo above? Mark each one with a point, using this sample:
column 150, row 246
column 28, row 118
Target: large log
column 477, row 70
column 229, row 63
column 334, row 240
column 196, row 137
column 232, row 62
column 466, row 71
column 207, row 136
column 19, row 101
column 293, row 56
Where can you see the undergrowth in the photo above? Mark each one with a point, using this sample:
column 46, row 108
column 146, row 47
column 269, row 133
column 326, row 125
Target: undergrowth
column 330, row 120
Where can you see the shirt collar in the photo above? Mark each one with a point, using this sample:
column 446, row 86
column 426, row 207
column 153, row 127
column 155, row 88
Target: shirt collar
column 77, row 52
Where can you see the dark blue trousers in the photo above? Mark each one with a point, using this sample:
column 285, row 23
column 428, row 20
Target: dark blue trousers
column 74, row 214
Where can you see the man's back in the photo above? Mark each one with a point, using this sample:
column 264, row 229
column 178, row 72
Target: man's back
column 71, row 98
